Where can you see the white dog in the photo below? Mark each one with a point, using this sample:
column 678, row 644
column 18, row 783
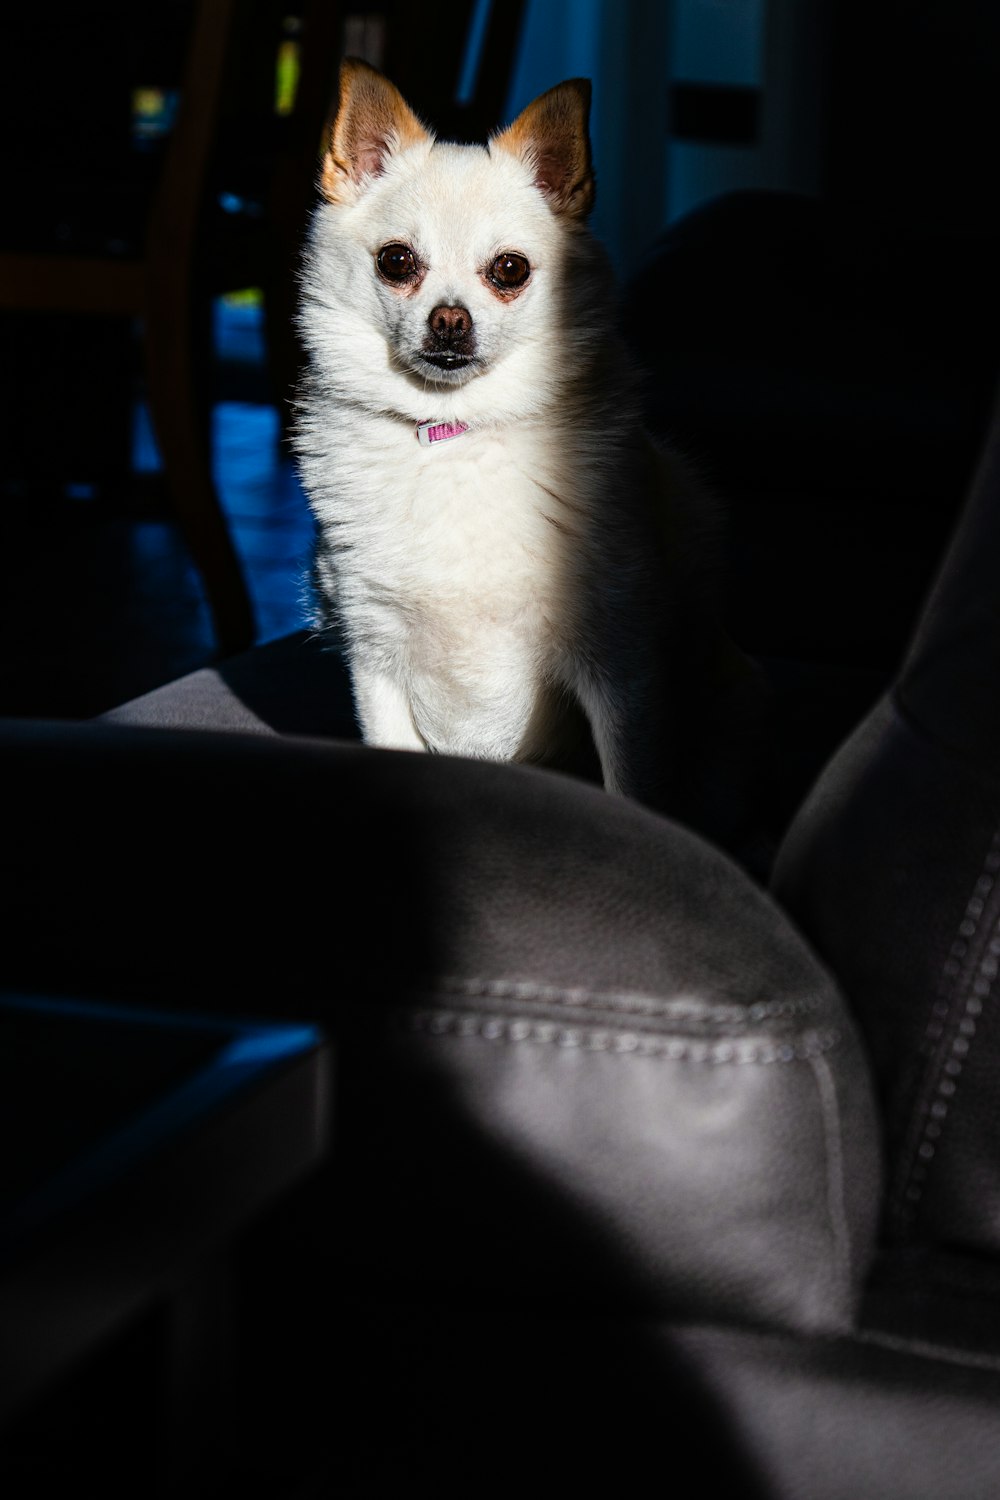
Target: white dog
column 500, row 545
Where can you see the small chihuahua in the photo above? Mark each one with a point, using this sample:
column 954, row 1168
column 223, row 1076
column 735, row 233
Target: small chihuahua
column 502, row 552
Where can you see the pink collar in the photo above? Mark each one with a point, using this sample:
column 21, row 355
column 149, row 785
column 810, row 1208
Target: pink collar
column 429, row 433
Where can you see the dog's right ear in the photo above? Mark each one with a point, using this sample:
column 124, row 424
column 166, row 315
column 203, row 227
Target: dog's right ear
column 373, row 120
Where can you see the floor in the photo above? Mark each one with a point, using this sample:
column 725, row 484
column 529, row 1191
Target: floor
column 99, row 599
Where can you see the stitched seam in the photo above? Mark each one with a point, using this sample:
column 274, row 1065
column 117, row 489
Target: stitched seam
column 456, row 1025
column 629, row 1002
column 949, row 1044
column 835, row 1196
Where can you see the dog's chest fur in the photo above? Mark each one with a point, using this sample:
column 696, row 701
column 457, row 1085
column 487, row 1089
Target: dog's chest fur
column 454, row 572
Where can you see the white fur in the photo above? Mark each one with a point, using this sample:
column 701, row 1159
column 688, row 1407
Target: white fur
column 481, row 584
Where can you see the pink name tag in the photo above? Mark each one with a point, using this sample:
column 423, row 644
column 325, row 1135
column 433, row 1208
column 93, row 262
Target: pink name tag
column 430, row 433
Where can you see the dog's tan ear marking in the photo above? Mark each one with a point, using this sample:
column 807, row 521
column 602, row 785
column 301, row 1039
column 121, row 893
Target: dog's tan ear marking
column 372, row 121
column 552, row 136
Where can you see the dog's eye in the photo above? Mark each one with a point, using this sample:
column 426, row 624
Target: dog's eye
column 509, row 271
column 397, row 262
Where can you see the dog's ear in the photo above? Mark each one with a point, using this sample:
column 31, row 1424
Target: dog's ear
column 372, row 121
column 551, row 136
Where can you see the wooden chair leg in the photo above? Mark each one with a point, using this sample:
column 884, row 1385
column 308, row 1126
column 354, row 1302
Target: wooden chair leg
column 178, row 421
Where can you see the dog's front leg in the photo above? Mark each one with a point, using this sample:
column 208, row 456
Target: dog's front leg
column 383, row 711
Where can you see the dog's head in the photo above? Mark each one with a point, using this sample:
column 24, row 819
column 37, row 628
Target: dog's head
column 433, row 266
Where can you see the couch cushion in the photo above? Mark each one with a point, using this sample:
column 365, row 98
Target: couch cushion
column 579, row 1047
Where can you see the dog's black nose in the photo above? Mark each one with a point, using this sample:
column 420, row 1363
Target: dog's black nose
column 451, row 339
column 450, row 324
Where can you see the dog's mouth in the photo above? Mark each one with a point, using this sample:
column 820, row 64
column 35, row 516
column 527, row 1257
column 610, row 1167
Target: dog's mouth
column 447, row 366
column 447, row 359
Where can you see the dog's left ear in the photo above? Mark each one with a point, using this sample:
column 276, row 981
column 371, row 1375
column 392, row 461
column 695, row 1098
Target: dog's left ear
column 552, row 137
